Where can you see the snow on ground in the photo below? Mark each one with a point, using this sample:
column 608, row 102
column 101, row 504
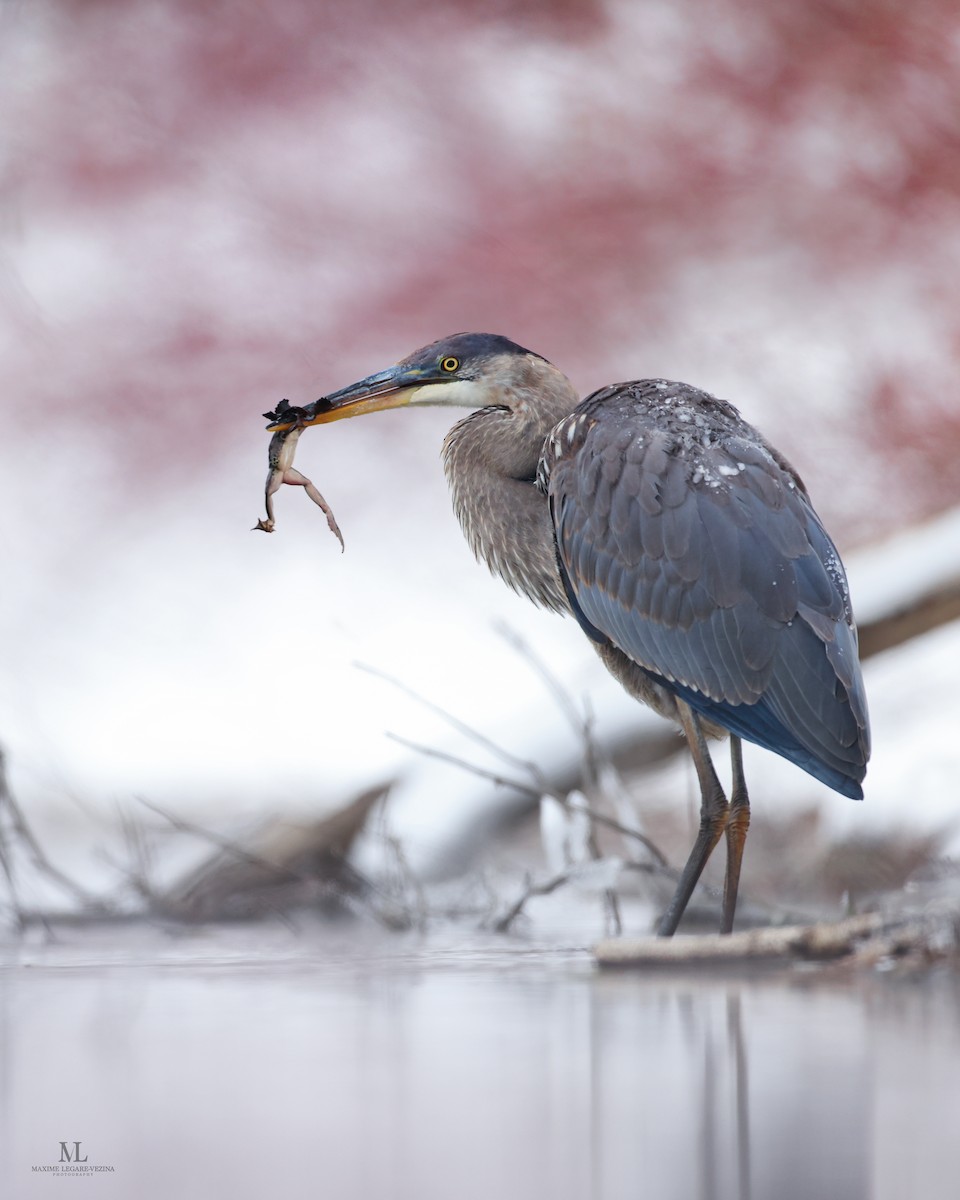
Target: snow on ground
column 911, row 689
column 178, row 255
column 172, row 653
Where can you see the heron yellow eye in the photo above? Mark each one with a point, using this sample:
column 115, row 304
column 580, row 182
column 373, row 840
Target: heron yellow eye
column 449, row 364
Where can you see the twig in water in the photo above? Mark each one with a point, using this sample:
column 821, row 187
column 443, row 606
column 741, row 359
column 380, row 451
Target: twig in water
column 137, row 875
column 408, row 880
column 611, row 909
column 531, row 890
column 22, row 831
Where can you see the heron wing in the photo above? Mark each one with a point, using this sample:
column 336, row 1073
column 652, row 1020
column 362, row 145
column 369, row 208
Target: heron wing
column 702, row 559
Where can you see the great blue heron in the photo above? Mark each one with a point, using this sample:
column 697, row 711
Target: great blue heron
column 684, row 544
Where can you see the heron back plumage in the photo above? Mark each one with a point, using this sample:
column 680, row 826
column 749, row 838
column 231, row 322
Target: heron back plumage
column 684, row 539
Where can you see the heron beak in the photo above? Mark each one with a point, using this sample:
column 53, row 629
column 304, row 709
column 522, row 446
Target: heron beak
column 393, row 388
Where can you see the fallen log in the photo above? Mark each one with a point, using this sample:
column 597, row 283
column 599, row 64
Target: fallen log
column 868, row 940
column 907, row 585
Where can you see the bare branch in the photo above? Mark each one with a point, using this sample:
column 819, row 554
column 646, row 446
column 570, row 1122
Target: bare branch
column 554, row 686
column 482, row 772
column 527, row 790
column 460, row 726
column 25, row 834
column 625, row 830
column 226, row 844
column 6, row 864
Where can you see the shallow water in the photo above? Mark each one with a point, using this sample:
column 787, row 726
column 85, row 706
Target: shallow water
column 248, row 1063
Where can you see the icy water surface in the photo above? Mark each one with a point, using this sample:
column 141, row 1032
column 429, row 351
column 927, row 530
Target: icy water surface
column 255, row 1064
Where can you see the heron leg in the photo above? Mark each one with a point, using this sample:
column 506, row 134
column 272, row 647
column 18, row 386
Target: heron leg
column 738, row 822
column 713, row 819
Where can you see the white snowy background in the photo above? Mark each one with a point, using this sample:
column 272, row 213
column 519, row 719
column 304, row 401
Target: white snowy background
column 202, row 216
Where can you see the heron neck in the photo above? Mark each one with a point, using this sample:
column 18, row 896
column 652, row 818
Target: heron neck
column 490, row 459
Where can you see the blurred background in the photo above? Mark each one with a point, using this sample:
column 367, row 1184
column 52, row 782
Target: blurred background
column 206, row 208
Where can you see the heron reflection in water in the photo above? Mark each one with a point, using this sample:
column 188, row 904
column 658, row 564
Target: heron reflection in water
column 683, row 543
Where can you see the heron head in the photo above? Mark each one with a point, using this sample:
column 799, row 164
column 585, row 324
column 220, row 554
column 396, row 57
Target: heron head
column 467, row 370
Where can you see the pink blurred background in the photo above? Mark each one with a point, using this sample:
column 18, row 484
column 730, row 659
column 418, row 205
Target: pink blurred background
column 206, row 208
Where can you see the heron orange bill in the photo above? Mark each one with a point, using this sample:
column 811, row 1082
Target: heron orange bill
column 395, row 387
column 393, row 397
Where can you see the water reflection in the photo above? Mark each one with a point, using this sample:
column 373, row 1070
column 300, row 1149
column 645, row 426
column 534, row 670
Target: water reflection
column 727, row 1090
column 504, row 1076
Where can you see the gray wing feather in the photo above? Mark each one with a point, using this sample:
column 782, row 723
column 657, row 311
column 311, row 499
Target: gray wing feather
column 711, row 569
